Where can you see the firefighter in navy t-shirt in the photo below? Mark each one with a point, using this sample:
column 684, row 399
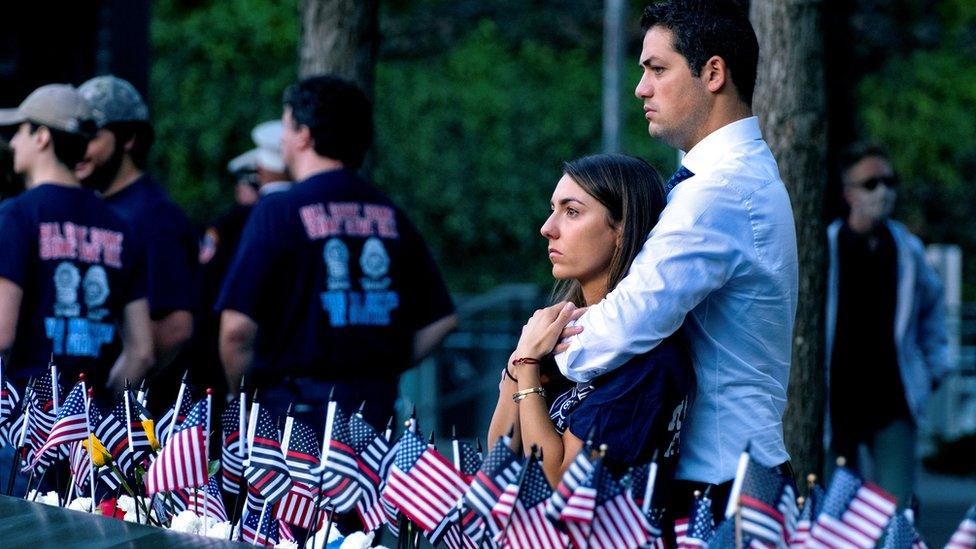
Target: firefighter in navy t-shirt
column 331, row 284
column 72, row 280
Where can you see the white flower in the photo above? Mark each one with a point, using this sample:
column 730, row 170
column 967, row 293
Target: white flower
column 50, row 498
column 81, row 504
column 358, row 540
column 186, row 522
column 320, row 541
column 126, row 503
column 221, row 530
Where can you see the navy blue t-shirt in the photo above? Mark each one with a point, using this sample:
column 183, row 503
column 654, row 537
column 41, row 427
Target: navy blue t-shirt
column 172, row 247
column 338, row 281
column 78, row 265
column 636, row 409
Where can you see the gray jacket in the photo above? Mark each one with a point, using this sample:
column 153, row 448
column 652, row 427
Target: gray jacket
column 921, row 341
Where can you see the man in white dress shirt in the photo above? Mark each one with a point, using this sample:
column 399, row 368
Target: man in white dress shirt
column 722, row 260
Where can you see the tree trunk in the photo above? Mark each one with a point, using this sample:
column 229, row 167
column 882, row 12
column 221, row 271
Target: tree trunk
column 790, row 102
column 340, row 37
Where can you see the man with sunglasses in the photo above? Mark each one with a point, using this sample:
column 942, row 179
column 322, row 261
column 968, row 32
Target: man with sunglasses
column 885, row 325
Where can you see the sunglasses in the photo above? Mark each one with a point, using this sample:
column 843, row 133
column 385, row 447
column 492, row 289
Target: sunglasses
column 889, row 181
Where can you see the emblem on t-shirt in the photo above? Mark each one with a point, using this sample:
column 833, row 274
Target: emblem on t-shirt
column 66, row 281
column 375, row 263
column 674, row 426
column 96, row 289
column 336, row 256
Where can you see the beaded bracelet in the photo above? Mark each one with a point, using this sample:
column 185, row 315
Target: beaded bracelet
column 517, row 397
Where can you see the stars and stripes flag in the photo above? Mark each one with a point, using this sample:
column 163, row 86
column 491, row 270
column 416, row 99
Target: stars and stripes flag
column 521, row 507
column 302, row 452
column 182, row 462
column 267, row 471
column 767, row 504
column 374, row 458
column 422, row 483
column 806, row 515
column 615, row 519
column 71, row 424
column 79, row 462
column 207, row 501
column 901, row 533
column 854, row 513
column 339, row 468
column 965, row 535
column 699, row 526
column 39, row 418
column 640, row 483
column 451, row 530
column 573, row 496
column 500, row 468
column 173, row 417
column 260, row 528
column 297, row 507
column 232, row 449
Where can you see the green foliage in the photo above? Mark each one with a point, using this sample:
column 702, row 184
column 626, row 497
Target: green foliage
column 471, row 134
column 921, row 107
column 218, row 69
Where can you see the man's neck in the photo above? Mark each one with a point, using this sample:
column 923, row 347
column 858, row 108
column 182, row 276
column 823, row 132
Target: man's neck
column 54, row 173
column 311, row 164
column 127, row 175
column 722, row 115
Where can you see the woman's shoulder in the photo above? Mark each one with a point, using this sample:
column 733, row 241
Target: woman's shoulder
column 667, row 367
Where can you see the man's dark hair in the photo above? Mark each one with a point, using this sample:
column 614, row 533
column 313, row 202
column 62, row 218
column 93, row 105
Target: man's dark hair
column 338, row 115
column 857, row 152
column 144, row 135
column 69, row 148
column 703, row 28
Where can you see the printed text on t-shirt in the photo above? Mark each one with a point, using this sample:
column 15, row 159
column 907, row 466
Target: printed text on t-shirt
column 89, row 245
column 349, row 219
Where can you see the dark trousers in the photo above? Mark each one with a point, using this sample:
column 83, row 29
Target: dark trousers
column 683, row 494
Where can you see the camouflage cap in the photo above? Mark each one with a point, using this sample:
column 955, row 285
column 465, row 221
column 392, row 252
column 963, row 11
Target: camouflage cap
column 57, row 106
column 114, row 100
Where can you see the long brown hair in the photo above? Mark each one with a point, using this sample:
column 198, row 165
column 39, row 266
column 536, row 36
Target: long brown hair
column 633, row 194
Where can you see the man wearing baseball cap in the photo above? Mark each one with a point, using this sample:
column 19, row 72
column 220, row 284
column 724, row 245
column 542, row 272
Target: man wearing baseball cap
column 72, row 274
column 114, row 165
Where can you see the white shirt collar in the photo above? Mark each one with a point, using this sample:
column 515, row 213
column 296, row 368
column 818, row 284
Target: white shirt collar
column 710, row 150
column 274, row 187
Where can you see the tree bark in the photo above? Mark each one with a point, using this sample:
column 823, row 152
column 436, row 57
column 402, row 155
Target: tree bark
column 340, row 37
column 790, row 102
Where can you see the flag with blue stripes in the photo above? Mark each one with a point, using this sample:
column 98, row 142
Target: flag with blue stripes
column 267, row 471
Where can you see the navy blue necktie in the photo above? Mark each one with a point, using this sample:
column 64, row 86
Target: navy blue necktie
column 678, row 176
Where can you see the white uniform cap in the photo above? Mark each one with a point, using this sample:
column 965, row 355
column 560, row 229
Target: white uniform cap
column 244, row 162
column 267, row 136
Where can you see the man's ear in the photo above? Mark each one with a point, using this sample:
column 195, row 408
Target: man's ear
column 305, row 140
column 42, row 137
column 715, row 74
column 130, row 144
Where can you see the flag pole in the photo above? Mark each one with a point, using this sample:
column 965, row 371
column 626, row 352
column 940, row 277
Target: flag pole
column 56, row 398
column 737, row 482
column 330, row 411
column 206, row 460
column 179, row 403
column 264, row 509
column 251, row 427
column 91, row 444
column 24, row 410
column 649, row 488
column 241, row 449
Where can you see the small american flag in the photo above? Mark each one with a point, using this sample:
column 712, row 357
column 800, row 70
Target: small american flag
column 854, row 513
column 701, row 526
column 302, row 454
column 766, row 500
column 803, row 524
column 297, row 507
column 267, row 471
column 260, row 529
column 422, row 483
column 450, row 529
column 616, row 521
column 901, row 533
column 231, row 462
column 182, row 463
column 374, row 457
column 965, row 535
column 70, row 425
column 79, row 463
column 501, row 467
column 522, row 505
column 636, row 482
column 171, row 415
column 339, row 469
column 214, row 506
column 40, row 418
column 574, row 498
